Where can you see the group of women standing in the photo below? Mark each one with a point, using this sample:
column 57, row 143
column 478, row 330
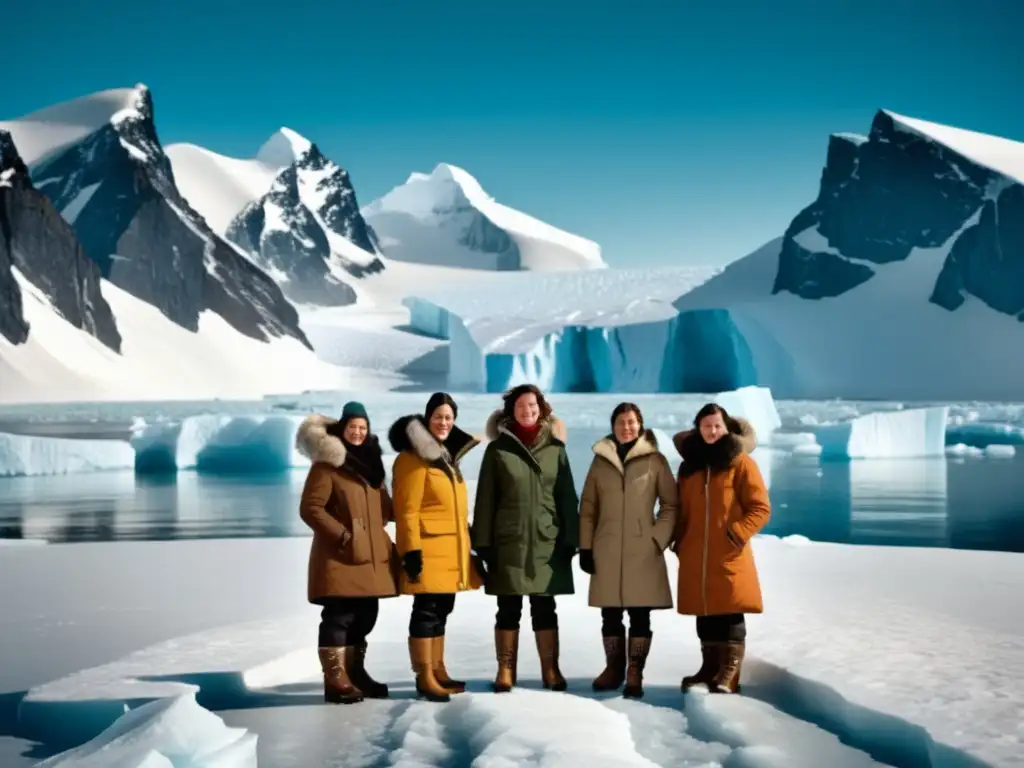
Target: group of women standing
column 527, row 527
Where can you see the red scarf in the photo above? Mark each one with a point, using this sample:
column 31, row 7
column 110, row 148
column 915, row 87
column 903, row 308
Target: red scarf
column 526, row 435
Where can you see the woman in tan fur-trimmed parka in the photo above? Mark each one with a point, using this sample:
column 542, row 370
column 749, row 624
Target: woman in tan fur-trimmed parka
column 352, row 563
column 627, row 520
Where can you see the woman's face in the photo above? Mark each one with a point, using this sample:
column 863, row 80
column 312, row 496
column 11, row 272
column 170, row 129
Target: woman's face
column 356, row 431
column 626, row 427
column 712, row 428
column 441, row 422
column 527, row 410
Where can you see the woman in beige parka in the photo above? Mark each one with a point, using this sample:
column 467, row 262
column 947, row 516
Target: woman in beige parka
column 623, row 542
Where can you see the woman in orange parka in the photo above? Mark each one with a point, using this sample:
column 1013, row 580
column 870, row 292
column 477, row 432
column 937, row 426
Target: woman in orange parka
column 723, row 502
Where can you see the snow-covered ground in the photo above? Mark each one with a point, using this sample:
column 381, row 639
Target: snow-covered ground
column 906, row 657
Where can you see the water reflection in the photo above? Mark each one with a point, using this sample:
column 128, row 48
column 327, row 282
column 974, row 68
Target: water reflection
column 971, row 504
column 112, row 506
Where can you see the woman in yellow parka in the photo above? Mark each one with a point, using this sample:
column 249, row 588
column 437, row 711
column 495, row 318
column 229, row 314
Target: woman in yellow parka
column 432, row 532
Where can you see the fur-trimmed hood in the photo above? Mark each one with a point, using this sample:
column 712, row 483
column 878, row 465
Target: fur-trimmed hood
column 496, row 424
column 607, row 448
column 410, row 433
column 313, row 442
column 744, row 442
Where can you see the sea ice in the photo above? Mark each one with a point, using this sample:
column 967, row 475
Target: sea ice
column 910, row 433
column 165, row 733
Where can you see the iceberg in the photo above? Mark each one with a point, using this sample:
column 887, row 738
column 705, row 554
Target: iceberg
column 218, row 443
column 166, row 733
column 24, row 455
column 911, row 433
column 590, row 331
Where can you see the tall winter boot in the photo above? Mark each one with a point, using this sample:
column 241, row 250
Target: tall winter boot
column 727, row 680
column 356, row 664
column 614, row 664
column 547, row 650
column 506, row 649
column 441, row 671
column 639, row 650
column 338, row 687
column 711, row 654
column 421, row 653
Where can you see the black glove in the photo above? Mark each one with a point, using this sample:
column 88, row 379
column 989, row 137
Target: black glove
column 485, row 555
column 481, row 567
column 412, row 563
column 587, row 561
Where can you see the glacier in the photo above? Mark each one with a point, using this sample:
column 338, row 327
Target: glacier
column 23, row 455
column 591, row 331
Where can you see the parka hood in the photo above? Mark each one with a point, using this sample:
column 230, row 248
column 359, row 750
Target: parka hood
column 410, row 433
column 497, row 422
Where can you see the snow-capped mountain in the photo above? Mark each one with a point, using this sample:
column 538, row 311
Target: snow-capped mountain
column 38, row 246
column 446, row 218
column 903, row 279
column 291, row 208
column 109, row 177
column 307, row 229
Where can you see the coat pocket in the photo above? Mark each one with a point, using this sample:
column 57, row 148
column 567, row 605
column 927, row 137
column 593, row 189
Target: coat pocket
column 440, row 525
column 360, row 549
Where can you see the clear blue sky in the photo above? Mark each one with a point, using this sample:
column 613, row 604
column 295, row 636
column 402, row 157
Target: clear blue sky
column 671, row 132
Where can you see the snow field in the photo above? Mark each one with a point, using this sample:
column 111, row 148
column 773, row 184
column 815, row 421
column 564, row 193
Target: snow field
column 864, row 654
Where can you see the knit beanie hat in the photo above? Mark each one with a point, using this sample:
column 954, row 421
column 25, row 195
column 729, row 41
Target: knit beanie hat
column 353, row 410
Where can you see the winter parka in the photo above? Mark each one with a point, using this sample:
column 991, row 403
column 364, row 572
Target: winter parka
column 618, row 524
column 722, row 506
column 351, row 554
column 526, row 516
column 432, row 506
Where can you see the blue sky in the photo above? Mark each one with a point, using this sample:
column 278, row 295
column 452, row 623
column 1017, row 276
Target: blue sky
column 672, row 132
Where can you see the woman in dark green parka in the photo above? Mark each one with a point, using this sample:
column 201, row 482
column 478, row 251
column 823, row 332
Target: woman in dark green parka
column 526, row 528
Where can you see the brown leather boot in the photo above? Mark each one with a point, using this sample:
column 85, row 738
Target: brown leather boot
column 614, row 664
column 421, row 653
column 547, row 649
column 506, row 648
column 338, row 688
column 639, row 649
column 356, row 664
column 711, row 653
column 441, row 671
column 727, row 680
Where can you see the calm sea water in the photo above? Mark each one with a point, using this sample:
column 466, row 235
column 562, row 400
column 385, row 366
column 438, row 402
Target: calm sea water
column 959, row 503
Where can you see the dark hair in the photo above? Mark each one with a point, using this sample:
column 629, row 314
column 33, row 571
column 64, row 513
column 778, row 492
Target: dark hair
column 436, row 401
column 510, row 397
column 710, row 410
column 622, row 408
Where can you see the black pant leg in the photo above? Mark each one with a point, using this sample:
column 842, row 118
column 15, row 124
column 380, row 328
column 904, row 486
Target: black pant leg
column 426, row 618
column 736, row 628
column 510, row 612
column 366, row 619
column 543, row 614
column 339, row 618
column 446, row 604
column 611, row 622
column 722, row 628
column 640, row 622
